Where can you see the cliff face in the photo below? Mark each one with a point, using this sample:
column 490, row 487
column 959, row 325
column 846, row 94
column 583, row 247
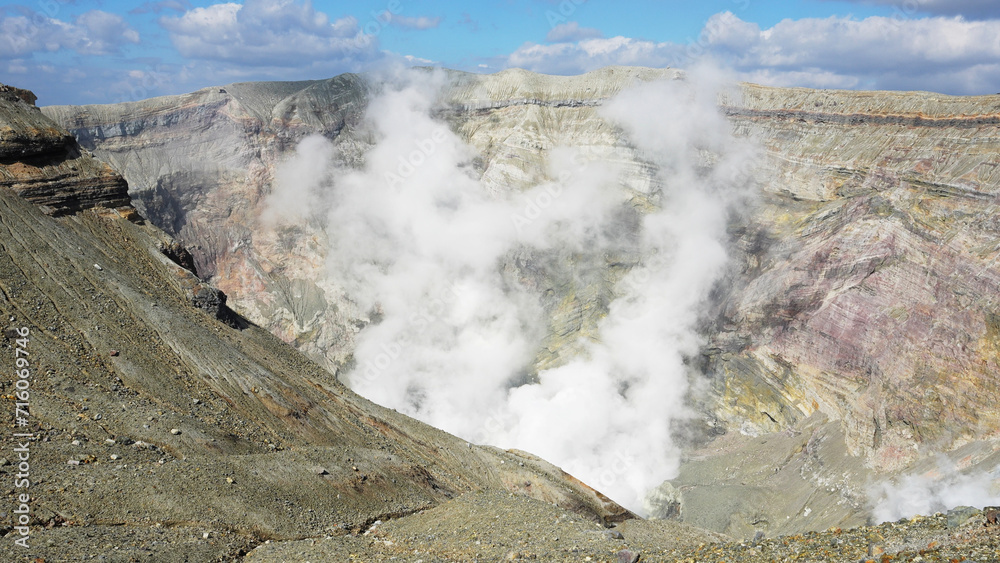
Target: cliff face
column 155, row 421
column 870, row 293
column 198, row 166
column 44, row 164
column 864, row 281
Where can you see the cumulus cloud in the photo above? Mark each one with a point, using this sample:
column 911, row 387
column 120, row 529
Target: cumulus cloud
column 950, row 55
column 944, row 54
column 591, row 54
column 92, row 33
column 423, row 247
column 276, row 33
column 571, row 31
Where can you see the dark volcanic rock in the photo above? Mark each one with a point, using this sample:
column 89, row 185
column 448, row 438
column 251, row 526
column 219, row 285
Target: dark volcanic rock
column 41, row 162
column 179, row 255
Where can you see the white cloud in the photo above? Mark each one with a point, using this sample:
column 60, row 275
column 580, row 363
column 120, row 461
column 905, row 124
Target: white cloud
column 16, row 66
column 279, row 33
column 873, row 44
column 944, row 54
column 104, row 33
column 591, row 54
column 417, row 60
column 950, row 55
column 91, row 33
column 571, row 31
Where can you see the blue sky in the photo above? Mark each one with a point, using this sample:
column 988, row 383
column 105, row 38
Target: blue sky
column 104, row 51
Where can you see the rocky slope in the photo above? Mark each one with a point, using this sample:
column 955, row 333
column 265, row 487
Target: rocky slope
column 860, row 313
column 165, row 426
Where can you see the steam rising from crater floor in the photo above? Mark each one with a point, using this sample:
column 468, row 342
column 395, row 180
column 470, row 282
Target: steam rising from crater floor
column 440, row 262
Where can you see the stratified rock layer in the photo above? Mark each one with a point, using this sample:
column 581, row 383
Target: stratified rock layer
column 870, row 284
column 43, row 163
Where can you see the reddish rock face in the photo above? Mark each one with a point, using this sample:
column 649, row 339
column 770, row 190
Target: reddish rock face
column 875, row 299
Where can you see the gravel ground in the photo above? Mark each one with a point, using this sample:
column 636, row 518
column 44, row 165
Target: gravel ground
column 486, row 526
column 918, row 539
column 499, row 527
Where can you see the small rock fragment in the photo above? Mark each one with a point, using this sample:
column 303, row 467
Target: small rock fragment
column 110, row 442
column 4, row 462
column 322, row 471
column 76, row 442
column 99, row 268
column 230, row 480
column 175, row 431
column 960, row 515
column 992, row 515
column 114, row 353
column 626, row 556
column 115, row 457
column 73, row 462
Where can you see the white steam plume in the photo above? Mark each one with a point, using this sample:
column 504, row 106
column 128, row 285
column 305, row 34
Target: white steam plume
column 927, row 494
column 417, row 239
